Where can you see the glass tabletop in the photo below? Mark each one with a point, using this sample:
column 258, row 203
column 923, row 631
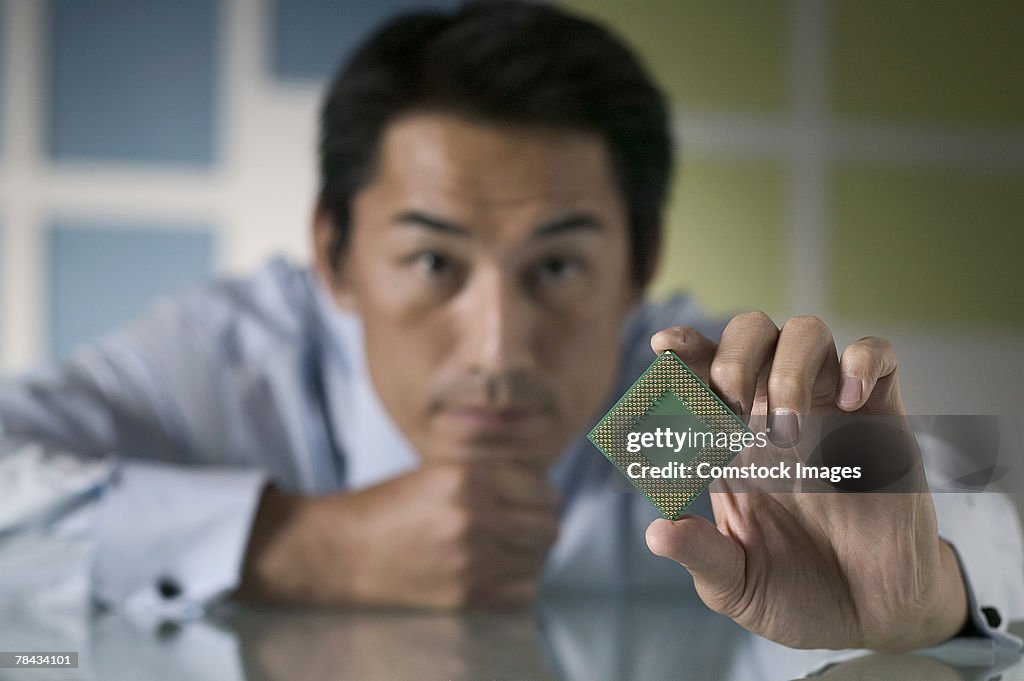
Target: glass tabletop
column 585, row 637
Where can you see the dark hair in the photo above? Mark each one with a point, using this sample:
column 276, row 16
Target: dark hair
column 511, row 62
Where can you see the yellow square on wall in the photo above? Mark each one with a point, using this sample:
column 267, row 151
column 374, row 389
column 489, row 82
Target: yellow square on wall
column 725, row 234
column 928, row 245
column 921, row 61
column 725, row 55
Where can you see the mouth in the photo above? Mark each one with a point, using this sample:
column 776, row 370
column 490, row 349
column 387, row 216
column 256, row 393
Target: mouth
column 490, row 421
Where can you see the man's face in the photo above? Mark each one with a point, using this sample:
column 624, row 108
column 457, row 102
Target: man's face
column 491, row 269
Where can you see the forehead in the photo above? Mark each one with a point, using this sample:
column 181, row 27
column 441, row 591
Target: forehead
column 444, row 162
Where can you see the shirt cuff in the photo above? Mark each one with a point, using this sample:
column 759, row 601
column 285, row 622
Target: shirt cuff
column 984, row 532
column 171, row 539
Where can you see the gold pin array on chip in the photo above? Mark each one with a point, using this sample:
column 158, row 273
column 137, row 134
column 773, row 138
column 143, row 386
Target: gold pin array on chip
column 670, row 393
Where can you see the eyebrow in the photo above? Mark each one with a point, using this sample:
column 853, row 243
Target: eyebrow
column 570, row 223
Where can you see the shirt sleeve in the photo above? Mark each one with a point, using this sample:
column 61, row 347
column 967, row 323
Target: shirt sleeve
column 172, row 539
column 170, row 522
column 984, row 529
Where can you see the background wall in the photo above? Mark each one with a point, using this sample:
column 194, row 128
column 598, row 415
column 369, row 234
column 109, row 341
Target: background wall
column 860, row 160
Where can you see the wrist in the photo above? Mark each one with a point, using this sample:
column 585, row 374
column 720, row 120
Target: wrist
column 276, row 555
column 939, row 614
column 302, row 549
column 950, row 615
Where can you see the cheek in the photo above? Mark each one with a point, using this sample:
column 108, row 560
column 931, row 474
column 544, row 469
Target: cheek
column 583, row 352
column 406, row 346
column 589, row 326
column 393, row 311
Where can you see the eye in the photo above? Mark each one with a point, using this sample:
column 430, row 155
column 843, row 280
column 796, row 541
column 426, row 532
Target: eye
column 558, row 269
column 432, row 263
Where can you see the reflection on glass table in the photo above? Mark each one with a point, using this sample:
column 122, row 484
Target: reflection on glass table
column 585, row 638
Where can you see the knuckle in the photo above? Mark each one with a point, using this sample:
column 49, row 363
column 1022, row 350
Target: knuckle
column 808, row 325
column 460, row 563
column 858, row 355
column 463, row 480
column 756, row 318
column 785, row 381
column 678, row 334
column 729, row 373
column 877, row 341
column 804, row 320
column 459, row 525
column 808, row 330
column 870, row 354
column 678, row 338
column 879, row 344
column 863, row 356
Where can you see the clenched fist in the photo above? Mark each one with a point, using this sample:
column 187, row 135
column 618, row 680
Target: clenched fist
column 447, row 535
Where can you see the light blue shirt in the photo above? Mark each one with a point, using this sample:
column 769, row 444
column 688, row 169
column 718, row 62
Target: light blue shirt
column 138, row 464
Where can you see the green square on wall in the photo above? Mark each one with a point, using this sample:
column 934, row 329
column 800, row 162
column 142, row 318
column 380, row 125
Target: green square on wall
column 723, row 55
column 725, row 235
column 928, row 245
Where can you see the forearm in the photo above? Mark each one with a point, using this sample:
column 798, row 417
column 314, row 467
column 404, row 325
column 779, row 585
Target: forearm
column 295, row 554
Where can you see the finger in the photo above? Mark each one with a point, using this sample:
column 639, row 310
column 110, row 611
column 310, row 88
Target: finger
column 717, row 562
column 519, row 529
column 689, row 345
column 863, row 366
column 747, row 344
column 506, row 594
column 804, row 369
column 491, row 486
column 516, row 485
column 500, row 563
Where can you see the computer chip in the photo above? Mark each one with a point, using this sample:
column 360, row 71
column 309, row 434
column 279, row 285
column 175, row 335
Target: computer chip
column 669, row 421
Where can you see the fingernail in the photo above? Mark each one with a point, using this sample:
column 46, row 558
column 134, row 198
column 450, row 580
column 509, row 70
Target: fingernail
column 737, row 409
column 850, row 390
column 784, row 427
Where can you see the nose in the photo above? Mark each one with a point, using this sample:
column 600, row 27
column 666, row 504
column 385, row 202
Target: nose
column 498, row 321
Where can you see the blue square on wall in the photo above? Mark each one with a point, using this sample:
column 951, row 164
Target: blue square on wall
column 3, row 59
column 312, row 37
column 133, row 81
column 103, row 276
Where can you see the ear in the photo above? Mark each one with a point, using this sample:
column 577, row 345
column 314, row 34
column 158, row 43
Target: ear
column 330, row 271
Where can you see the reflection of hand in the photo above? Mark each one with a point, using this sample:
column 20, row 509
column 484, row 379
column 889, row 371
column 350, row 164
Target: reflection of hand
column 447, row 535
column 812, row 570
column 353, row 646
column 367, row 644
column 889, row 667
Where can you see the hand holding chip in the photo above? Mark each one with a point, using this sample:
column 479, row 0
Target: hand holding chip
column 842, row 570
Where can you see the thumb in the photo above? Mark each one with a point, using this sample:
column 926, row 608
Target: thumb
column 716, row 562
column 690, row 346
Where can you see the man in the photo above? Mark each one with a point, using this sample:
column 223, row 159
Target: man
column 404, row 426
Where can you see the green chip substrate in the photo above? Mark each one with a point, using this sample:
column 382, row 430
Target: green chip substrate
column 668, row 394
